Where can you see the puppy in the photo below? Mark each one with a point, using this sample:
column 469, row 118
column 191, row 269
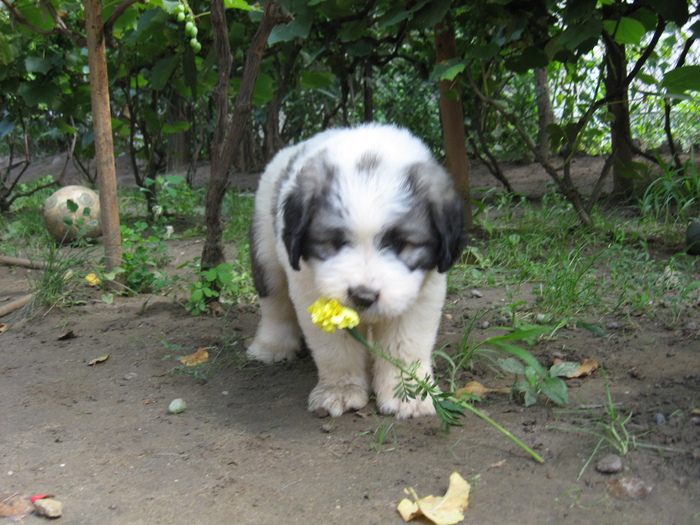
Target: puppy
column 368, row 217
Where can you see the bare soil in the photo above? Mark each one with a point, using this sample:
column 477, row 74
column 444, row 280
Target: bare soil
column 246, row 451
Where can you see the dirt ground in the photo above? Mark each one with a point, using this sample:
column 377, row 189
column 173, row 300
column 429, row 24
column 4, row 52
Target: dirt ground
column 246, row 451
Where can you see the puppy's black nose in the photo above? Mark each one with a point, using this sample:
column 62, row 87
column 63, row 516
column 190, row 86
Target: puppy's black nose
column 363, row 297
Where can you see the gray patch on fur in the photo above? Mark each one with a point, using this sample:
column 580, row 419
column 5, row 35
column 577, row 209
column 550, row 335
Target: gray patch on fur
column 258, row 269
column 368, row 162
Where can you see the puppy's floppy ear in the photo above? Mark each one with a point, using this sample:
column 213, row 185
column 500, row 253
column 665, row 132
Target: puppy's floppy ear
column 448, row 220
column 300, row 206
column 435, row 185
column 298, row 210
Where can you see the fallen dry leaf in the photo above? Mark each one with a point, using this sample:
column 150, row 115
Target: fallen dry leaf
column 3, row 328
column 629, row 489
column 445, row 510
column 587, row 367
column 70, row 334
column 92, row 279
column 477, row 389
column 97, row 360
column 199, row 357
column 15, row 506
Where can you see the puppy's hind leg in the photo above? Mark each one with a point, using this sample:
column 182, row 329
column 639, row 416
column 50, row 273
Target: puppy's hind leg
column 278, row 334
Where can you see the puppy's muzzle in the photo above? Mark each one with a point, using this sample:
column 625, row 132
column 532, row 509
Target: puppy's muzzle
column 363, row 297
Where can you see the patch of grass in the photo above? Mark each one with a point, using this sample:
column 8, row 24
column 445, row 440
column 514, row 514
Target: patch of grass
column 673, row 196
column 62, row 281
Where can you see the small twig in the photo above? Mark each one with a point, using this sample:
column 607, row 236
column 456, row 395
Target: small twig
column 14, row 305
column 26, row 263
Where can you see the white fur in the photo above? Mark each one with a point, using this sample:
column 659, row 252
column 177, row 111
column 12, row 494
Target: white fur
column 403, row 321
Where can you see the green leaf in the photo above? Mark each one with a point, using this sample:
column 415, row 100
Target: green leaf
column 648, row 79
column 37, row 65
column 532, row 376
column 72, row 205
column 451, row 72
column 297, row 28
column 511, row 365
column 531, row 397
column 316, row 79
column 162, row 71
column 626, row 30
column 684, row 78
column 176, row 127
column 351, row 31
column 7, row 126
column 430, row 14
column 237, row 4
column 555, row 389
column 531, row 58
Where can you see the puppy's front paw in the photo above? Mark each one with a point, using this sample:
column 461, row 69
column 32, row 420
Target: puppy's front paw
column 406, row 409
column 337, row 399
column 272, row 352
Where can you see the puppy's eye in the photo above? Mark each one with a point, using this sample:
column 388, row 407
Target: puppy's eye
column 398, row 245
column 338, row 243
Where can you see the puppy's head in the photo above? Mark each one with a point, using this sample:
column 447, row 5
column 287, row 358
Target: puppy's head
column 371, row 230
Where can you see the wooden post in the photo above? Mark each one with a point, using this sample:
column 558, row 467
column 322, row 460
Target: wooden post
column 102, row 125
column 452, row 118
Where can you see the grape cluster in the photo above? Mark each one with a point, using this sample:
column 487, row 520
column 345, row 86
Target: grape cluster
column 183, row 13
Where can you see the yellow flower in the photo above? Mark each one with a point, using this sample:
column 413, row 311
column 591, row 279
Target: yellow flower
column 330, row 315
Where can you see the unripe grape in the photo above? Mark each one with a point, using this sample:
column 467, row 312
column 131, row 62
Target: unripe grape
column 194, row 43
column 180, row 17
column 197, row 48
column 188, row 27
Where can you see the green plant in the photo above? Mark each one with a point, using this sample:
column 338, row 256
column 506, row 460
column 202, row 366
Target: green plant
column 448, row 407
column 175, row 196
column 610, row 427
column 222, row 283
column 384, row 431
column 142, row 258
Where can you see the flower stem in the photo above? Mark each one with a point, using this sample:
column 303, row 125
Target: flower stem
column 462, row 403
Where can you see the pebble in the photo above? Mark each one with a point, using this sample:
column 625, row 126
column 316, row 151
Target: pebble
column 659, row 418
column 610, row 464
column 130, row 376
column 49, row 507
column 177, row 406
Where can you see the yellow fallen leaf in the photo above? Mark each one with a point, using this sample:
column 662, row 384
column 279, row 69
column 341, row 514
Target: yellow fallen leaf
column 92, row 279
column 199, row 357
column 445, row 510
column 586, row 368
column 97, row 360
column 3, row 328
column 477, row 389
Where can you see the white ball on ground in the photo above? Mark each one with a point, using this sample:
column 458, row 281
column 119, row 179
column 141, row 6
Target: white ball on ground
column 82, row 214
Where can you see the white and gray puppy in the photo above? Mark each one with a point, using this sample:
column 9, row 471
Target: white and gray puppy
column 368, row 217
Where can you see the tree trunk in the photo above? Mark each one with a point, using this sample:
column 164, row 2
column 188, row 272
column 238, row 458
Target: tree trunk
column 368, row 92
column 102, row 124
column 618, row 106
column 545, row 114
column 179, row 153
column 452, row 117
column 228, row 134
